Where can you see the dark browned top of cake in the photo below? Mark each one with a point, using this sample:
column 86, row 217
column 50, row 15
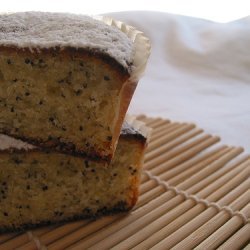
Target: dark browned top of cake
column 129, row 131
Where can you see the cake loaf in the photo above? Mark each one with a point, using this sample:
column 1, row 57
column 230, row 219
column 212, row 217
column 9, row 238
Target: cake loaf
column 65, row 82
column 39, row 188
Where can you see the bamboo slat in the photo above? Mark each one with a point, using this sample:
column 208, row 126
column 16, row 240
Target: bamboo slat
column 209, row 227
column 237, row 241
column 166, row 128
column 189, row 227
column 193, row 194
column 227, row 228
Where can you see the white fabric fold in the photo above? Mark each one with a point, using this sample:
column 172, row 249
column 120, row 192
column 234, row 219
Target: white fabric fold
column 199, row 71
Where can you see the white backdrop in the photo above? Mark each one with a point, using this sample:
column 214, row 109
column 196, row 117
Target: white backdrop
column 216, row 10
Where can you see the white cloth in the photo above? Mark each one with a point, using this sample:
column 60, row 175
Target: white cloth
column 199, row 71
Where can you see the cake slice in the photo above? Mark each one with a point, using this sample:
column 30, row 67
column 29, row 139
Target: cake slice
column 65, row 81
column 39, row 188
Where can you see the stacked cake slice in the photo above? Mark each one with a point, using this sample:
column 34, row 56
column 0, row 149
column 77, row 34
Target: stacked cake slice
column 40, row 187
column 65, row 85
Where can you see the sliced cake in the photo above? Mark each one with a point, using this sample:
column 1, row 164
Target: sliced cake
column 65, row 81
column 39, row 188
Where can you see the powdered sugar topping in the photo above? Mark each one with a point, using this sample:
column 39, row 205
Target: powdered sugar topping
column 47, row 30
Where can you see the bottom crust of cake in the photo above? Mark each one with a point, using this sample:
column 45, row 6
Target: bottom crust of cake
column 120, row 207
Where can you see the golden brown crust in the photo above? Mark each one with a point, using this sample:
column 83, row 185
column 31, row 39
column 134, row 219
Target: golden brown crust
column 125, row 97
column 134, row 192
column 135, row 183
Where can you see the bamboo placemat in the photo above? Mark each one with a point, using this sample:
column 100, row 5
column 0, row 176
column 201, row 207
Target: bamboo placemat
column 194, row 194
